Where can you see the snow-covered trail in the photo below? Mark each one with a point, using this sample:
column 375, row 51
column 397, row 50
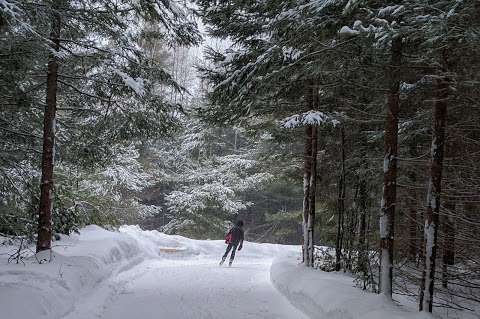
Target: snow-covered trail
column 197, row 289
column 136, row 274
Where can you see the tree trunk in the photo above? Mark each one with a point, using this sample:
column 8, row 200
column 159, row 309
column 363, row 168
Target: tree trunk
column 421, row 231
column 340, row 204
column 235, row 148
column 350, row 234
column 362, row 231
column 433, row 196
column 412, row 233
column 313, row 187
column 307, row 175
column 413, row 243
column 448, row 258
column 309, row 180
column 387, row 215
column 44, row 238
column 448, row 223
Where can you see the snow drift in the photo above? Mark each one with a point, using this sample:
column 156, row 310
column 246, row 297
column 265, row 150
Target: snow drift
column 333, row 295
column 78, row 264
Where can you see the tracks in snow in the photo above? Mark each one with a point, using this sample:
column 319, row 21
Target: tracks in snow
column 190, row 289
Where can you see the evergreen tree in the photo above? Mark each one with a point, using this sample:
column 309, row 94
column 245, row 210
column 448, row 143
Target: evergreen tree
column 102, row 88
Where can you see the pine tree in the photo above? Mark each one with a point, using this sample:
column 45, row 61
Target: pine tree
column 107, row 89
column 432, row 214
column 387, row 217
column 49, row 119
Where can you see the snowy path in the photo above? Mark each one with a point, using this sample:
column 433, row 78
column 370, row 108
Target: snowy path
column 191, row 288
column 136, row 274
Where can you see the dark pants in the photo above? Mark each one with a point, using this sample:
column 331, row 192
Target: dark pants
column 229, row 247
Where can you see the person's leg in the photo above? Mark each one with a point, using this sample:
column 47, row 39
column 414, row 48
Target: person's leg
column 232, row 256
column 229, row 247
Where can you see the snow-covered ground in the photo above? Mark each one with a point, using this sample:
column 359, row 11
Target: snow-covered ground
column 332, row 295
column 143, row 274
column 147, row 274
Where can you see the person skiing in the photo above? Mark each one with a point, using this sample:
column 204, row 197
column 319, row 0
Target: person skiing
column 233, row 239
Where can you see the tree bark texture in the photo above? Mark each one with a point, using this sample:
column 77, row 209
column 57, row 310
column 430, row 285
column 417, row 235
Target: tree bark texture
column 340, row 204
column 44, row 238
column 362, row 231
column 313, row 188
column 448, row 258
column 309, row 180
column 387, row 215
column 433, row 196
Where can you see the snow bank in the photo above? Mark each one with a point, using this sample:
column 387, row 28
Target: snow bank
column 153, row 242
column 78, row 264
column 333, row 295
column 81, row 262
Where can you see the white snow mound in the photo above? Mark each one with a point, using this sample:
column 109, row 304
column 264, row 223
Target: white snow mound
column 333, row 295
column 78, row 264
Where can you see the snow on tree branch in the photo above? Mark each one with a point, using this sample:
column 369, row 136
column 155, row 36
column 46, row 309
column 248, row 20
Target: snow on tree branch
column 347, row 32
column 137, row 85
column 315, row 118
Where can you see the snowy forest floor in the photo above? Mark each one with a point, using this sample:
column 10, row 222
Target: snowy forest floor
column 147, row 274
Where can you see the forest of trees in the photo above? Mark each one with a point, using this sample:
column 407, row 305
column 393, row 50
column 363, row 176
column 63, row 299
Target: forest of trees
column 351, row 127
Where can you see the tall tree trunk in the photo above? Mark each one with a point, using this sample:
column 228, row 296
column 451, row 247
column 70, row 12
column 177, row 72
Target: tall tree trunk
column 362, row 231
column 413, row 245
column 44, row 238
column 351, row 232
column 313, row 188
column 433, row 196
column 448, row 223
column 340, row 204
column 349, row 235
column 448, row 258
column 412, row 222
column 421, row 231
column 235, row 147
column 387, row 216
column 307, row 176
column 309, row 179
column 412, row 233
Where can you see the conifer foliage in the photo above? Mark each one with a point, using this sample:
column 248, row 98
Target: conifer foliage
column 100, row 86
column 395, row 76
column 347, row 127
